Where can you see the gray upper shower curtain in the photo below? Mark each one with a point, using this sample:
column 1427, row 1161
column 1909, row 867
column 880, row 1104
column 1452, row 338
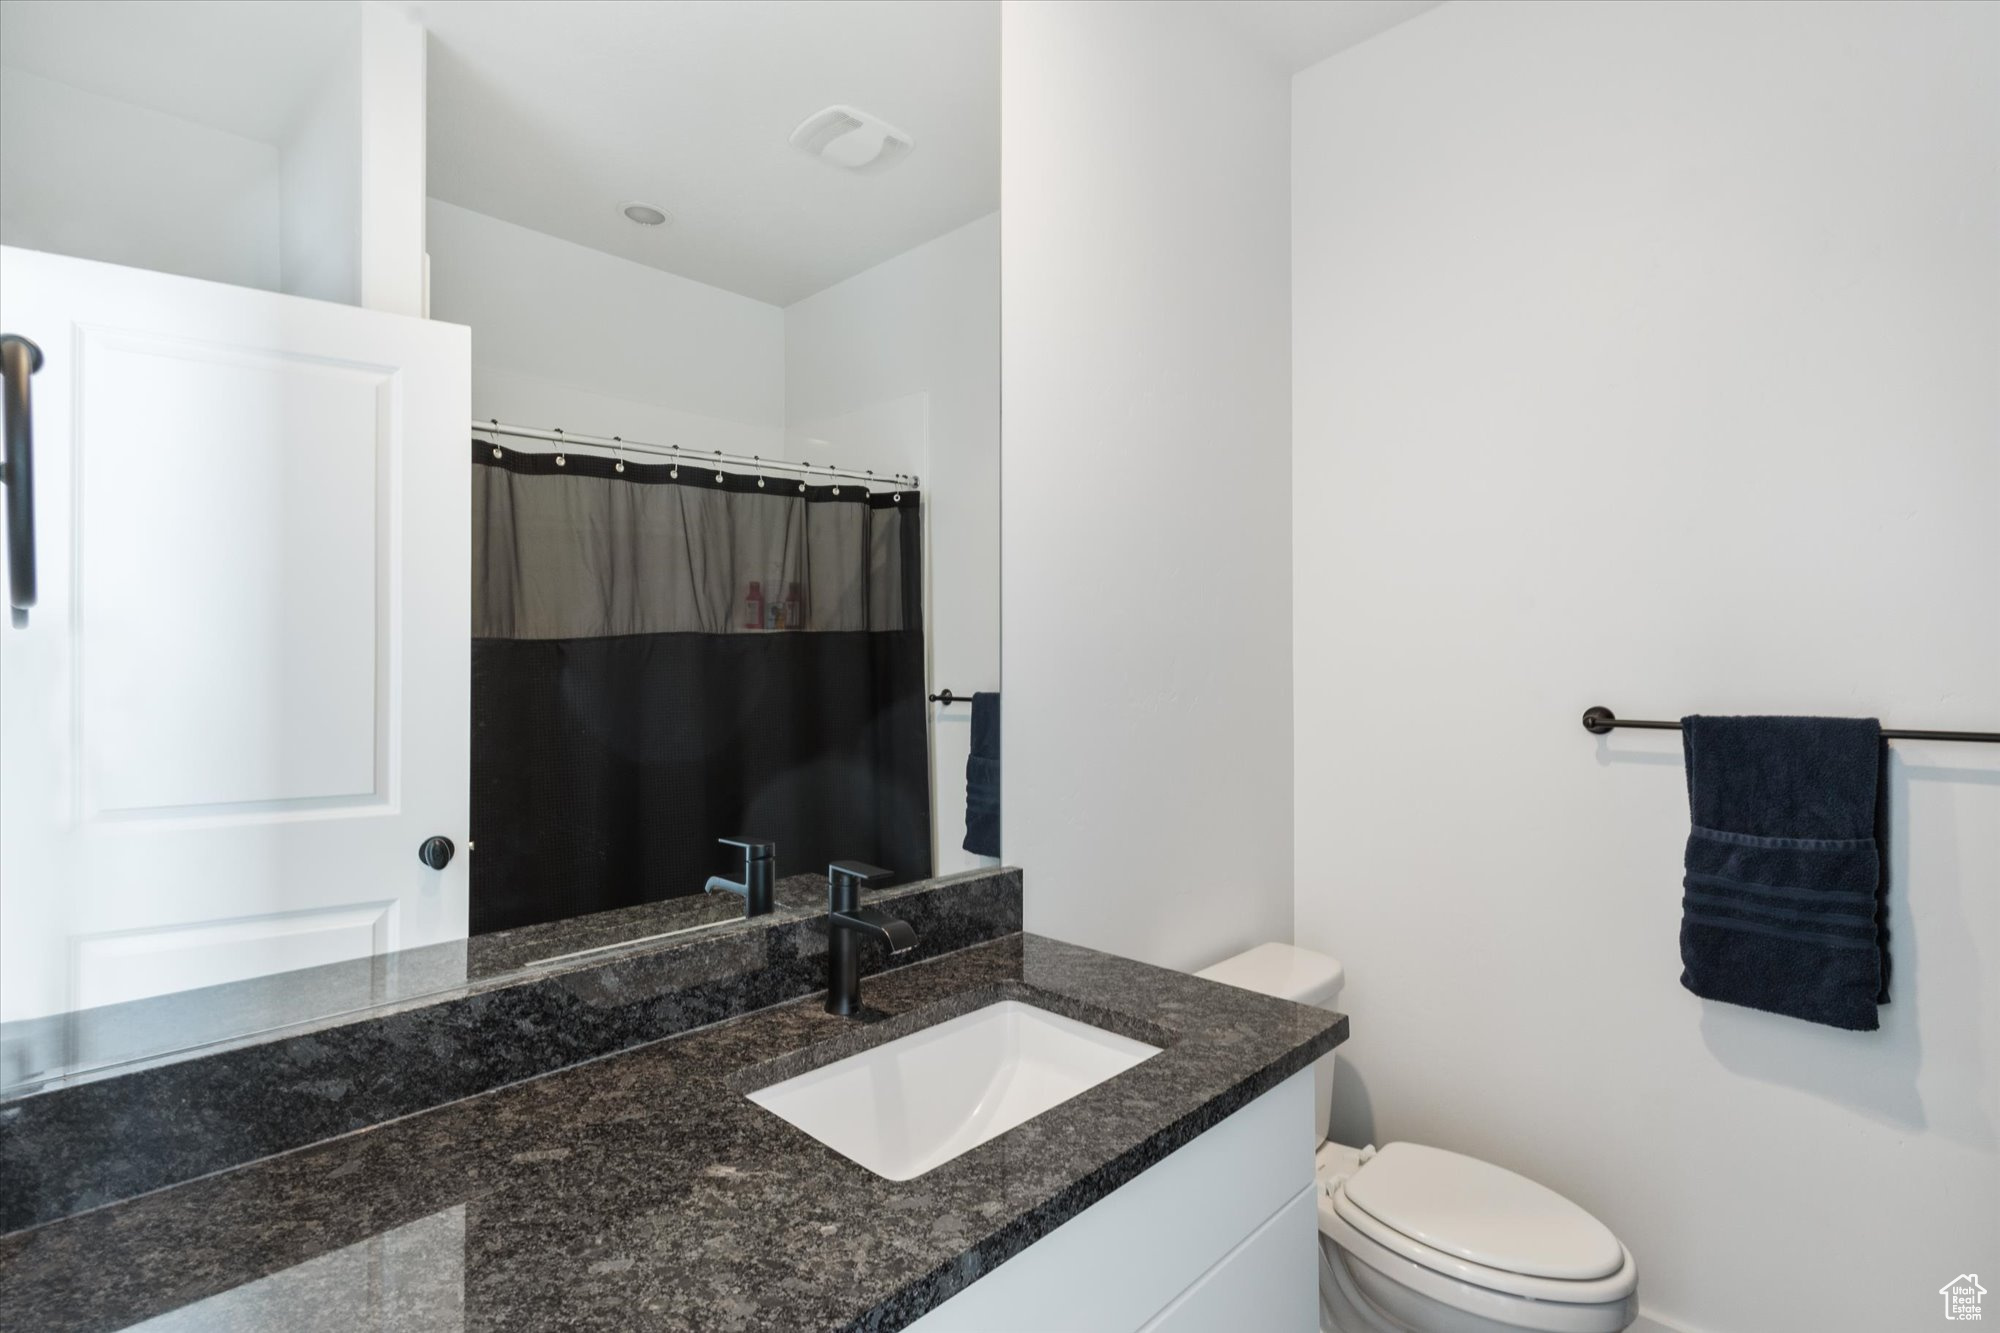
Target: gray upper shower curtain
column 662, row 661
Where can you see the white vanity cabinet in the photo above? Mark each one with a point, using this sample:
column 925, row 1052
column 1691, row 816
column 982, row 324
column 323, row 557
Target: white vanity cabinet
column 1223, row 1234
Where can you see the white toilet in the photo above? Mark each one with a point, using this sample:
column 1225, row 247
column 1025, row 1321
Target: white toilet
column 1420, row 1240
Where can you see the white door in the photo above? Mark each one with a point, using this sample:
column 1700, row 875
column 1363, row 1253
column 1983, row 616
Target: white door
column 242, row 700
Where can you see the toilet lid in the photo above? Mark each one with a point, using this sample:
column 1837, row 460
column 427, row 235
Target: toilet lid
column 1483, row 1213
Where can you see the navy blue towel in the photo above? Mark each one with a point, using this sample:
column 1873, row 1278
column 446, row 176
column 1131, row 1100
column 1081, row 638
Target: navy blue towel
column 1783, row 903
column 982, row 778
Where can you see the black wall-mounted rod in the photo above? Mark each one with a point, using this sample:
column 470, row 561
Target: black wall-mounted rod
column 947, row 698
column 1600, row 719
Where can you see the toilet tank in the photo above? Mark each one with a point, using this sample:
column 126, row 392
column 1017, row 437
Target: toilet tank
column 1301, row 976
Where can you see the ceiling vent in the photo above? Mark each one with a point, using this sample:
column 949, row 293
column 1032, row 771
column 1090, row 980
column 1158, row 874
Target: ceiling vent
column 852, row 140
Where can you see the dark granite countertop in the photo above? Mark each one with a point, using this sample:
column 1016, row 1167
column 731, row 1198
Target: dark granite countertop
column 644, row 1191
column 39, row 1052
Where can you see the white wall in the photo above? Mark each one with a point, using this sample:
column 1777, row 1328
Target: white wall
column 898, row 369
column 88, row 175
column 1146, row 552
column 567, row 336
column 323, row 198
column 354, row 166
column 1645, row 355
column 393, row 77
column 320, row 242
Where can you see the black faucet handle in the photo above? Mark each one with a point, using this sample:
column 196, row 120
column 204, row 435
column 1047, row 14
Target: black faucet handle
column 754, row 849
column 846, row 879
column 896, row 935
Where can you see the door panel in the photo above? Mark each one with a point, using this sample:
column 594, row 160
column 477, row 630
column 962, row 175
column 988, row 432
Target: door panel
column 132, row 964
column 265, row 574
column 242, row 702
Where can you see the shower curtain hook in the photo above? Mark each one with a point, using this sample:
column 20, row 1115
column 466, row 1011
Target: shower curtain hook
column 560, row 460
column 835, row 480
column 805, row 466
column 493, row 427
column 618, row 451
column 758, row 463
column 674, row 472
column 718, row 465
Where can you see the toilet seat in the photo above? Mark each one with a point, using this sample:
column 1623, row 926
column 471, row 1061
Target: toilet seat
column 1483, row 1224
column 1402, row 1281
column 1549, row 1264
column 1383, row 1239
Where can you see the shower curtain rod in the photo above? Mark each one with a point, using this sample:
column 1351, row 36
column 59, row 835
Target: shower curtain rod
column 693, row 457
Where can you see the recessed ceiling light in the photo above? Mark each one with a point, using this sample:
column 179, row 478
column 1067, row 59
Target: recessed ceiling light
column 644, row 214
column 852, row 140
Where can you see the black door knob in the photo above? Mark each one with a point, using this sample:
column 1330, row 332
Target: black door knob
column 436, row 852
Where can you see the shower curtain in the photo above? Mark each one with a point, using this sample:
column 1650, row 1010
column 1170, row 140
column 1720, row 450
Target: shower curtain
column 660, row 661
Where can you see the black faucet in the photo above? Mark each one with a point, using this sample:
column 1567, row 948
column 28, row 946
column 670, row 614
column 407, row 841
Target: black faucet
column 760, row 860
column 846, row 922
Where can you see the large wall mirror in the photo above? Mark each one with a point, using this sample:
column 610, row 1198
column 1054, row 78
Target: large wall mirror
column 369, row 657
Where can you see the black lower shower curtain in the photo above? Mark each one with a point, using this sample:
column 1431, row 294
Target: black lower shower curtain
column 660, row 661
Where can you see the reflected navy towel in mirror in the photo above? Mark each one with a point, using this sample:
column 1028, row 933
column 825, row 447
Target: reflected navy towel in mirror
column 982, row 778
column 1783, row 902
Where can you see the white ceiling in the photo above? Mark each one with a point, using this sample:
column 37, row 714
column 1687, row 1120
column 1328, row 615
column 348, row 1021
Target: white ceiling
column 1293, row 34
column 248, row 69
column 552, row 113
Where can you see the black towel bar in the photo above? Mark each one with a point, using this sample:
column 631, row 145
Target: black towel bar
column 947, row 698
column 1600, row 719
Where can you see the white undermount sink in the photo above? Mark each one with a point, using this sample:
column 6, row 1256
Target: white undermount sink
column 917, row 1102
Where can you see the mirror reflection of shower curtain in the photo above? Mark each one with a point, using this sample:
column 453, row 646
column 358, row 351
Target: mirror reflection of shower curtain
column 661, row 662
